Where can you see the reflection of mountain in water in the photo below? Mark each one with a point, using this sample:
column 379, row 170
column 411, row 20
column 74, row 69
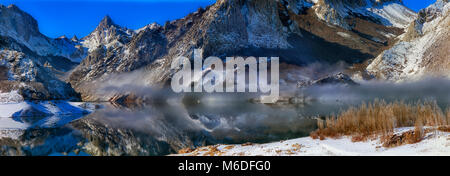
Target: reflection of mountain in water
column 147, row 131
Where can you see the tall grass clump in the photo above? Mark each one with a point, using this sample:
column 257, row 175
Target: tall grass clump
column 381, row 118
column 446, row 126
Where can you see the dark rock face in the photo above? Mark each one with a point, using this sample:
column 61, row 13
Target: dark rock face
column 3, row 73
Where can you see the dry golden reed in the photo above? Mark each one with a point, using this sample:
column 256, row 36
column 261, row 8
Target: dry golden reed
column 381, row 118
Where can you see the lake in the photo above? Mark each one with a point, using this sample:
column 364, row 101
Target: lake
column 161, row 128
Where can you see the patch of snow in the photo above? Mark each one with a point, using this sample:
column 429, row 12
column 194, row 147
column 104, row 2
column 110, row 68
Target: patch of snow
column 343, row 34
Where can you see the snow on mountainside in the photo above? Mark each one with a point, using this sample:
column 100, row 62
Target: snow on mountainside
column 424, row 50
column 69, row 48
column 386, row 12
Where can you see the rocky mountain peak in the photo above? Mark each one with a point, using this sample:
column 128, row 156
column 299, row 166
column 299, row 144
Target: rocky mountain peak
column 106, row 22
column 74, row 38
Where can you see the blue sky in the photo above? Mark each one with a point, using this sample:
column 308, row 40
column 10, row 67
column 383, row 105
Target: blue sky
column 416, row 5
column 80, row 17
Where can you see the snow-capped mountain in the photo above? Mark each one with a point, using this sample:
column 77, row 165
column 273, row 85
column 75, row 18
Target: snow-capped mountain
column 107, row 34
column 424, row 50
column 294, row 30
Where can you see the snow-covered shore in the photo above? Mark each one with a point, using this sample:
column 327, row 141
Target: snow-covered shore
column 434, row 143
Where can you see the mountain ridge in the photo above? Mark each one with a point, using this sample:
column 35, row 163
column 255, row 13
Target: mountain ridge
column 297, row 31
column 234, row 27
